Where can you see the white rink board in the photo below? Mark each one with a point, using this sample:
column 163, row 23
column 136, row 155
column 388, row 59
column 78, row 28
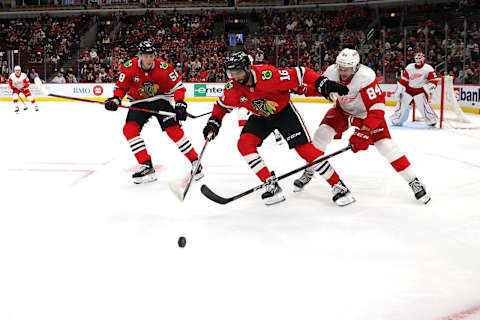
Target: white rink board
column 78, row 240
column 468, row 95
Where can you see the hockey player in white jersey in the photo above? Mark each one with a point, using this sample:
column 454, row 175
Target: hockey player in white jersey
column 19, row 83
column 363, row 107
column 418, row 82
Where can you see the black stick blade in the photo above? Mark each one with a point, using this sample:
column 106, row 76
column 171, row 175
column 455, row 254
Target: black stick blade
column 213, row 196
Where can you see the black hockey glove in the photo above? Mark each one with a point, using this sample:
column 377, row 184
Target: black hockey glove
column 325, row 87
column 213, row 125
column 181, row 110
column 112, row 103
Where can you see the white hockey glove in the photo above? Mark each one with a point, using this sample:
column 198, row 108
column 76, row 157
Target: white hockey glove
column 400, row 89
column 429, row 87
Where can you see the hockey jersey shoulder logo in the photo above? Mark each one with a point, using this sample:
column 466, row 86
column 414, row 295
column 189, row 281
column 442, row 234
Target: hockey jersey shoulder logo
column 163, row 65
column 128, row 64
column 229, row 85
column 267, row 74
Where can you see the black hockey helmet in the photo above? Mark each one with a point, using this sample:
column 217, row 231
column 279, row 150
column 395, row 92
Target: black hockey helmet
column 146, row 47
column 238, row 60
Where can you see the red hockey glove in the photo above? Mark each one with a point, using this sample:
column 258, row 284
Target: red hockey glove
column 360, row 140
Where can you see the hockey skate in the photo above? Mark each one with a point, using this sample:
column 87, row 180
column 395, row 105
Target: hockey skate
column 419, row 191
column 303, row 180
column 25, row 108
column 199, row 174
column 273, row 193
column 146, row 173
column 36, row 108
column 17, row 109
column 341, row 194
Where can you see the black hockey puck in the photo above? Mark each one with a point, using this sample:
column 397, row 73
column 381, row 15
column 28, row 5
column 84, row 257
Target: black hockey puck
column 182, row 242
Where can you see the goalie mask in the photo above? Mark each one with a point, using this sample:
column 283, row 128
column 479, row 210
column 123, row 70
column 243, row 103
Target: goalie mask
column 419, row 60
column 236, row 64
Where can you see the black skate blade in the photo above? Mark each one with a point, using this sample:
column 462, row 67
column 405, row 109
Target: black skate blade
column 213, row 196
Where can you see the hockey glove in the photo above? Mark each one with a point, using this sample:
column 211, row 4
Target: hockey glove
column 181, row 110
column 325, row 87
column 112, row 103
column 429, row 88
column 360, row 140
column 213, row 125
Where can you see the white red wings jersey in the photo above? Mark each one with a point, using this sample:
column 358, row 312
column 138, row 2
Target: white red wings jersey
column 413, row 78
column 270, row 93
column 364, row 93
column 18, row 83
column 161, row 80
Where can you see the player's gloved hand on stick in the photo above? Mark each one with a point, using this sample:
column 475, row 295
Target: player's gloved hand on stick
column 181, row 110
column 325, row 87
column 213, row 125
column 112, row 103
column 360, row 140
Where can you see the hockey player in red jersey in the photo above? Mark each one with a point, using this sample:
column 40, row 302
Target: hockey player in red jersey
column 19, row 83
column 151, row 83
column 265, row 91
column 363, row 107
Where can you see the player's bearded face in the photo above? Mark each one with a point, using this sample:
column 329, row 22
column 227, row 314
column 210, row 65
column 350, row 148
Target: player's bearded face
column 238, row 75
column 147, row 60
column 346, row 73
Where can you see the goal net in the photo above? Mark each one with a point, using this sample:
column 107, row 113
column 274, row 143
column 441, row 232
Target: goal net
column 445, row 104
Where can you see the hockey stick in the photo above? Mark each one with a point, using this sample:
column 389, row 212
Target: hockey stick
column 218, row 199
column 24, row 104
column 175, row 188
column 44, row 91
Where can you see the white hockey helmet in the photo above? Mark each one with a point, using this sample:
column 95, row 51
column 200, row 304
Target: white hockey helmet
column 17, row 68
column 348, row 58
column 419, row 59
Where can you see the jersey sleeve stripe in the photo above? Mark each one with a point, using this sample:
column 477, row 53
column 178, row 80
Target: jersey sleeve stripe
column 223, row 105
column 378, row 106
column 300, row 73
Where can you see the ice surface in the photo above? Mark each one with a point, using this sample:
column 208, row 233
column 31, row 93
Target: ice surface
column 78, row 240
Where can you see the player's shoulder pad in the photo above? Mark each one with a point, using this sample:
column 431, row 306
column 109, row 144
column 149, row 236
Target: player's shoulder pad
column 229, row 85
column 363, row 77
column 162, row 64
column 428, row 67
column 128, row 64
column 332, row 72
column 265, row 71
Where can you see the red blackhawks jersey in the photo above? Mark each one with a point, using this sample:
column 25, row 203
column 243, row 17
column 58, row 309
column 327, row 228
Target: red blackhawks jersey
column 160, row 81
column 269, row 94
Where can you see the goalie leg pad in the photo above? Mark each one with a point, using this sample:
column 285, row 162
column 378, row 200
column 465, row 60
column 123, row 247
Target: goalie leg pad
column 402, row 110
column 425, row 109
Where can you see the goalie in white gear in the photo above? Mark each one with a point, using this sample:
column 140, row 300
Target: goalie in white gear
column 19, row 83
column 417, row 83
column 363, row 107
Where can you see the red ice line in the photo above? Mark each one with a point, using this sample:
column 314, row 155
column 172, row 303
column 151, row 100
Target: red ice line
column 463, row 314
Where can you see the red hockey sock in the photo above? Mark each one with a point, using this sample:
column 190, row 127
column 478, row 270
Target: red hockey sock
column 131, row 131
column 178, row 136
column 400, row 164
column 247, row 145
